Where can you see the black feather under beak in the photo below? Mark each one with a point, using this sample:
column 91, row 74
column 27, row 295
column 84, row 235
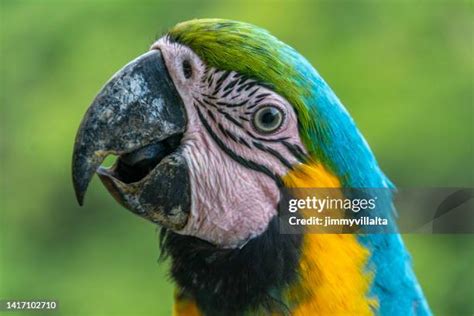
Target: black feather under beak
column 139, row 116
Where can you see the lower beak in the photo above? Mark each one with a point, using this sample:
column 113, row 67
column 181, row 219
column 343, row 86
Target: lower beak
column 139, row 116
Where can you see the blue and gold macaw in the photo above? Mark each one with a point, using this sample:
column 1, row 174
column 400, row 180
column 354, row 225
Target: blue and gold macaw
column 210, row 125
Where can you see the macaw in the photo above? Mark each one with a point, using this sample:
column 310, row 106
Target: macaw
column 209, row 126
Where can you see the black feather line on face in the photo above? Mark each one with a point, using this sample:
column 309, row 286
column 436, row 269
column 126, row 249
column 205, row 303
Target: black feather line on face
column 232, row 136
column 226, row 94
column 296, row 151
column 269, row 140
column 219, row 82
column 243, row 79
column 244, row 142
column 208, row 102
column 232, row 105
column 253, row 92
column 251, row 107
column 213, row 118
column 274, row 153
column 230, row 118
column 235, row 281
column 227, row 133
column 205, row 74
column 246, row 86
column 231, row 85
column 209, row 96
column 262, row 95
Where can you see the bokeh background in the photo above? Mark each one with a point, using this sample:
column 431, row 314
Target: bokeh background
column 404, row 69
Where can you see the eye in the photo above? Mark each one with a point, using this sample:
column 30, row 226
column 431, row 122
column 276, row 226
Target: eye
column 187, row 69
column 268, row 119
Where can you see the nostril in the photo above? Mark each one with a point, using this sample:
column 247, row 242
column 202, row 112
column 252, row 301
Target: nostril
column 187, row 69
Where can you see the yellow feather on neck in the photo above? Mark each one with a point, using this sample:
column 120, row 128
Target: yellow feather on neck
column 332, row 276
column 184, row 305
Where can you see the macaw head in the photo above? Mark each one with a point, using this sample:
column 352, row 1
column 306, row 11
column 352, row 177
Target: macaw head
column 208, row 123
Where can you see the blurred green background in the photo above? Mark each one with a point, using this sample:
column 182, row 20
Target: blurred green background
column 404, row 69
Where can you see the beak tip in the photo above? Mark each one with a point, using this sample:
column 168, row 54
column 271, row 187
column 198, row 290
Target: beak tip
column 80, row 184
column 80, row 200
column 83, row 170
column 79, row 195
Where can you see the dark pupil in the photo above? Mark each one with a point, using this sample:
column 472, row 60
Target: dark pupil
column 187, row 70
column 269, row 116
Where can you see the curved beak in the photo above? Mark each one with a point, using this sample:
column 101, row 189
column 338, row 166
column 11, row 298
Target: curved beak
column 139, row 116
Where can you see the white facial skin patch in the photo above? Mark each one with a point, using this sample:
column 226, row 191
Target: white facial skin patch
column 235, row 157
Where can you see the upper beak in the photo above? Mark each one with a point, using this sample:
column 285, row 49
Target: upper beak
column 139, row 116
